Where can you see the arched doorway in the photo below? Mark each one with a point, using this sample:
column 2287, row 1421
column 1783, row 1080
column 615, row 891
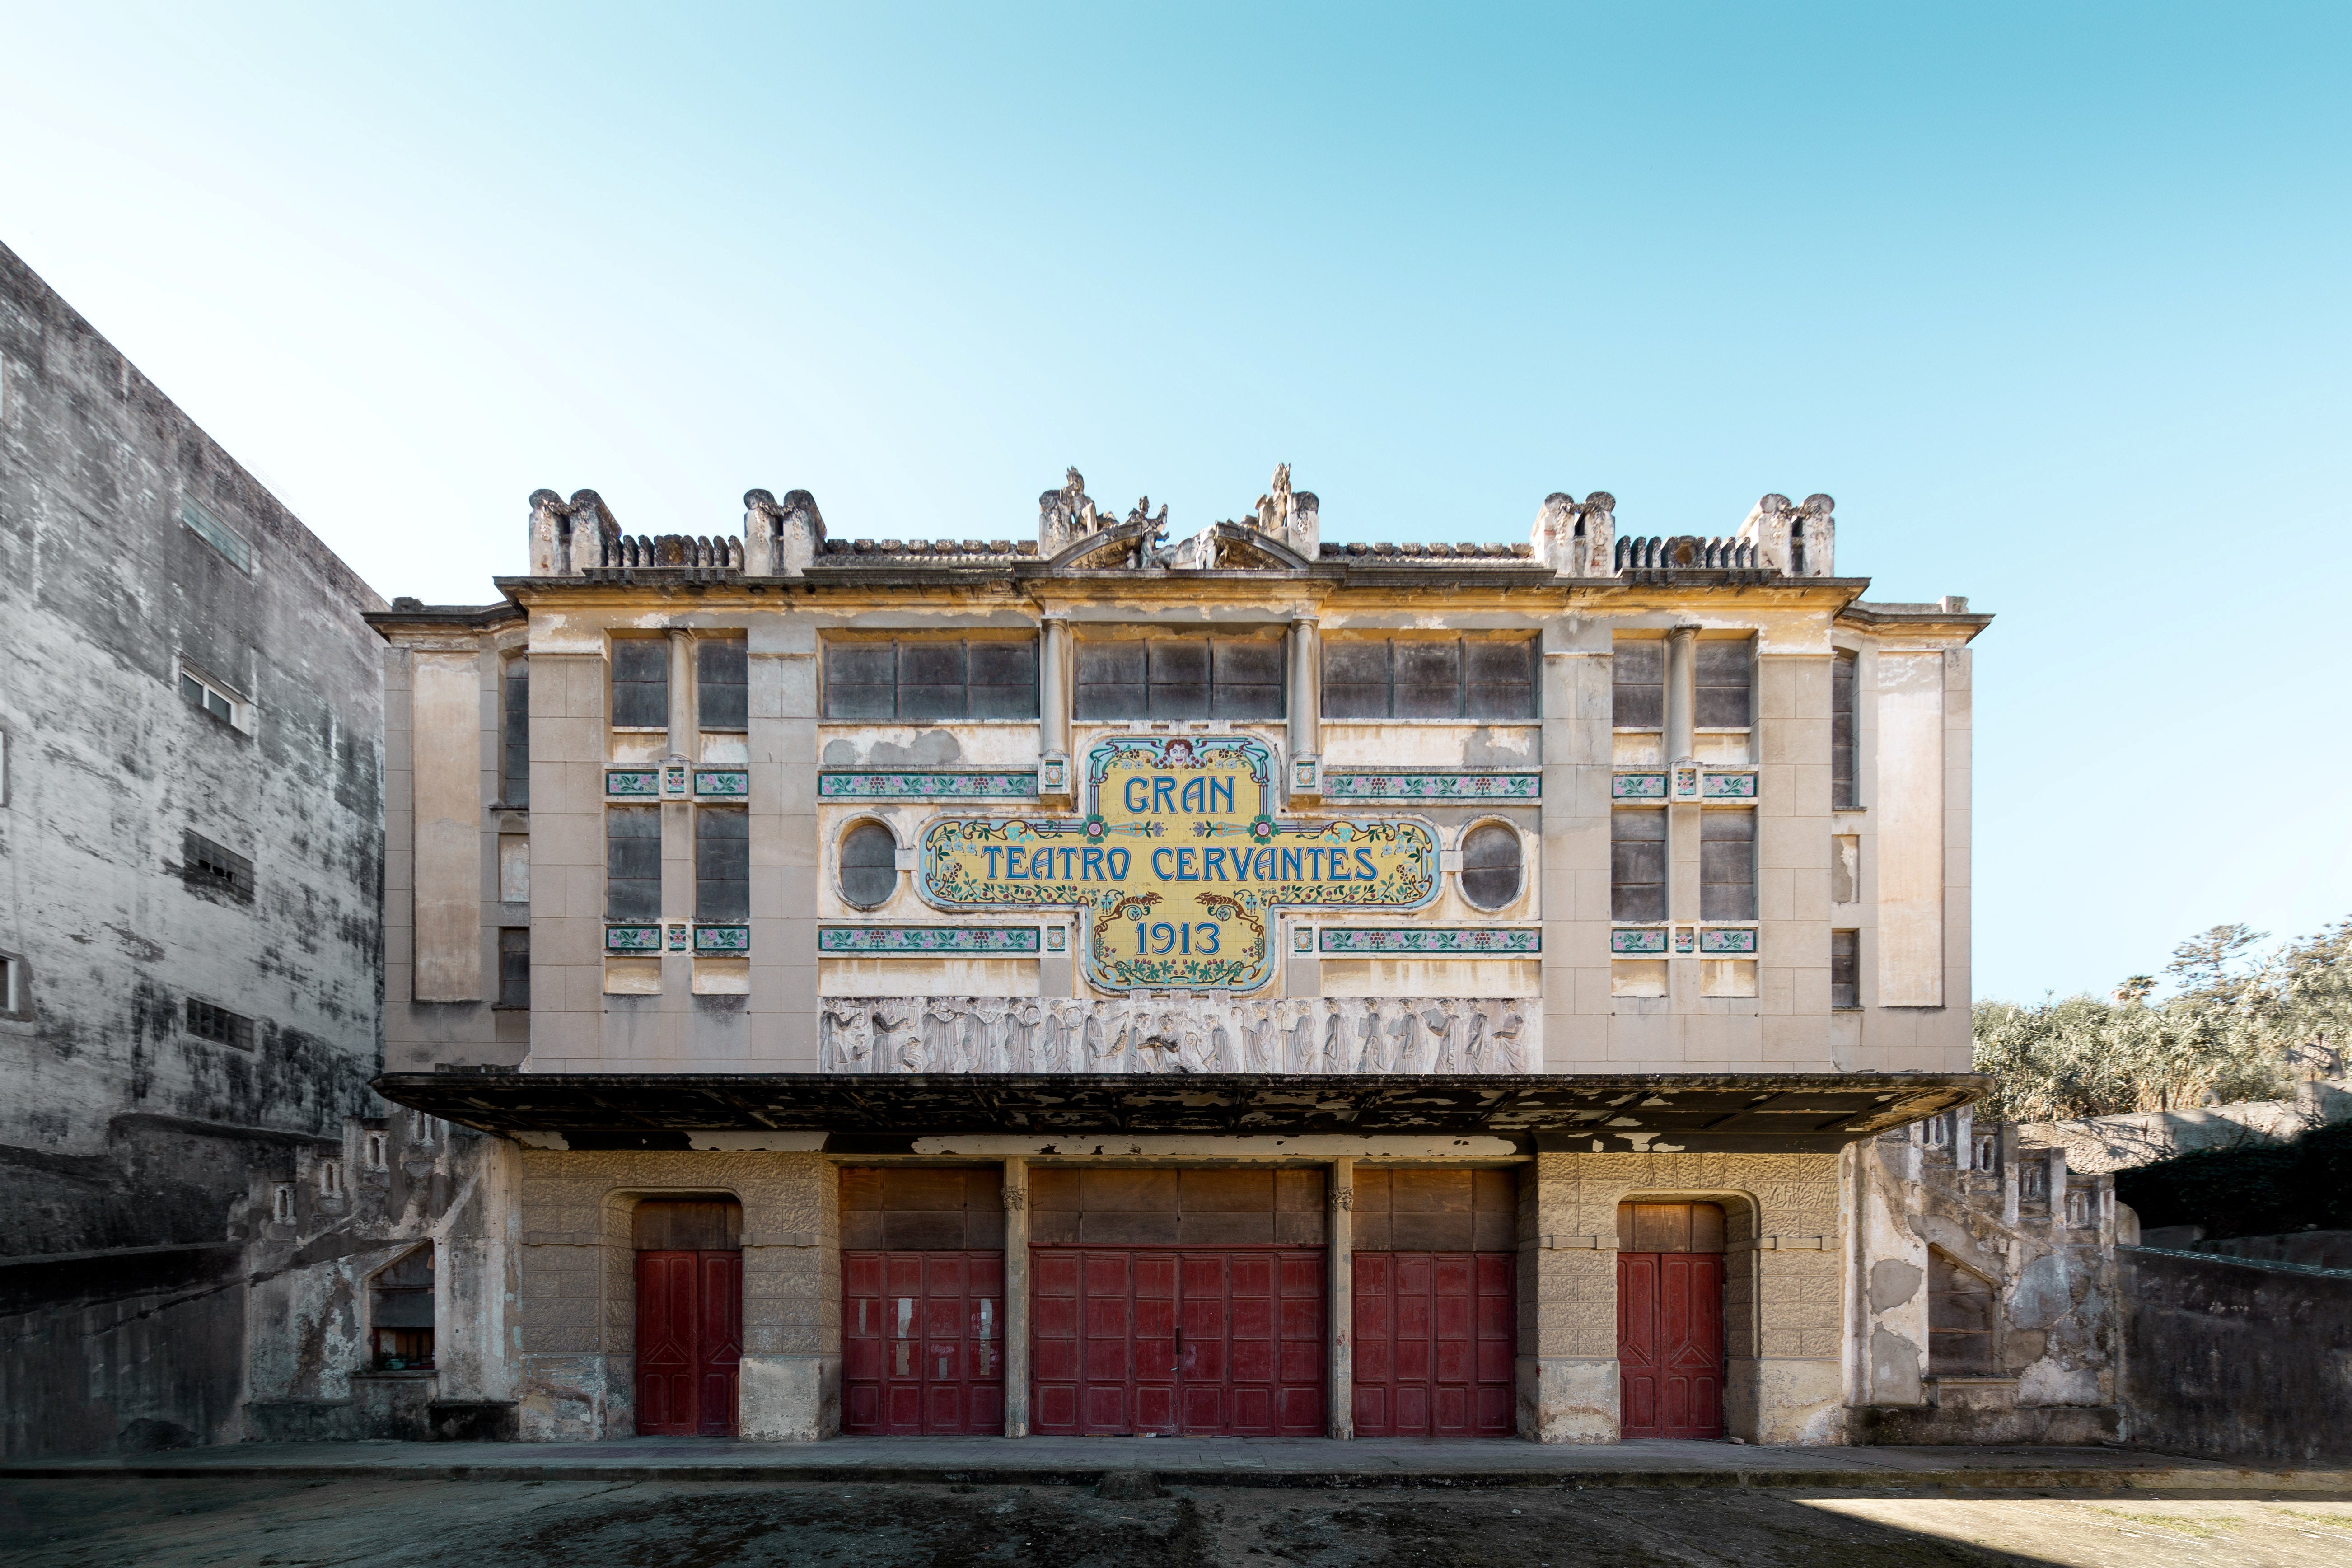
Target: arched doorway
column 1670, row 1341
column 690, row 1315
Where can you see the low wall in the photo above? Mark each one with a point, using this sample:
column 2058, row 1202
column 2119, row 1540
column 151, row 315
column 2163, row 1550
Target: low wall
column 2236, row 1359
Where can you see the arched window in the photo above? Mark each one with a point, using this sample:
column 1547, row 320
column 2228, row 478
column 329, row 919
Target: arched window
column 1490, row 865
column 869, row 865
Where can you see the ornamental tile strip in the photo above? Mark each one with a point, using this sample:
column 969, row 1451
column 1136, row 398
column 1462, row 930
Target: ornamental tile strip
column 1431, row 786
column 1003, row 784
column 1737, row 938
column 722, row 783
column 889, row 942
column 633, row 784
column 1727, row 787
column 638, row 936
column 723, row 941
column 1638, row 940
column 1457, row 942
column 1637, row 786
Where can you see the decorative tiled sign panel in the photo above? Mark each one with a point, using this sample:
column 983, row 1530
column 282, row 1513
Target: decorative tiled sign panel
column 1729, row 786
column 722, row 783
column 633, row 784
column 723, row 941
column 1637, row 786
column 1637, row 940
column 993, row 785
column 1431, row 786
column 884, row 941
column 1733, row 939
column 634, row 937
column 1447, row 942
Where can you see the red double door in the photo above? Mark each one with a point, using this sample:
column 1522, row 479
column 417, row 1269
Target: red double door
column 1435, row 1344
column 690, row 1342
column 922, row 1337
column 1670, row 1352
column 1225, row 1341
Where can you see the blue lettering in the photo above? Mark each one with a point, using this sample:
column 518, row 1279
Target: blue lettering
column 1185, row 870
column 1016, row 863
column 1221, row 794
column 1338, row 865
column 1289, row 863
column 1208, row 930
column 1212, row 865
column 1118, row 858
column 1364, row 868
column 1163, row 876
column 1264, row 866
column 1138, row 807
column 1314, row 865
column 1194, row 795
column 1093, row 860
column 1163, row 795
column 992, row 855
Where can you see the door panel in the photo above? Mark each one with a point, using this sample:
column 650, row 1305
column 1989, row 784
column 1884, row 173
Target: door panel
column 1197, row 1341
column 1435, row 1344
column 922, row 1342
column 690, row 1342
column 1670, row 1352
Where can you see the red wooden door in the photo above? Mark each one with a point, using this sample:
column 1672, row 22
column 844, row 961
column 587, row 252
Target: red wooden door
column 690, row 1342
column 1435, row 1344
column 923, row 1343
column 1670, row 1353
column 1202, row 1341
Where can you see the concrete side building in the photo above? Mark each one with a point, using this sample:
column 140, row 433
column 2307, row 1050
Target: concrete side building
column 1240, row 984
column 199, row 1182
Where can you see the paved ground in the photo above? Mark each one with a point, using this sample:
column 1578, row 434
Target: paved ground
column 371, row 1521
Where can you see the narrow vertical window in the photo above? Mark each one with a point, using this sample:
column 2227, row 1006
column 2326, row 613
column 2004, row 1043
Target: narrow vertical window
column 1845, row 968
column 722, row 864
column 514, row 773
column 722, row 683
column 1727, row 866
column 1637, row 688
column 1845, row 733
column 1356, row 679
column 1726, row 679
column 632, row 863
column 1637, row 865
column 640, row 683
column 514, row 966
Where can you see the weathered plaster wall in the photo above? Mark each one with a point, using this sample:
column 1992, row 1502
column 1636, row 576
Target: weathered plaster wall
column 2208, row 1370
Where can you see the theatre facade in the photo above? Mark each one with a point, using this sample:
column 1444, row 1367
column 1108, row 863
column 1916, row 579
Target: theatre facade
column 1113, row 983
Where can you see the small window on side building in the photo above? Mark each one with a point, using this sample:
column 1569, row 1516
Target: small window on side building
column 632, row 863
column 514, row 966
column 722, row 864
column 641, row 683
column 1845, row 733
column 722, row 683
column 16, row 988
column 400, row 1313
column 1637, row 684
column 1845, row 968
column 222, row 1028
column 1637, row 865
column 211, row 868
column 514, row 771
column 1727, row 866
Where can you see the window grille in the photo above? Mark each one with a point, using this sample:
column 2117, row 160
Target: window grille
column 1180, row 678
column 722, row 683
column 1637, row 684
column 640, row 683
column 632, row 863
column 722, row 864
column 1727, row 865
column 934, row 680
column 514, row 966
column 1418, row 678
column 514, row 773
column 1726, row 676
column 1845, row 733
column 218, row 1024
column 1637, row 865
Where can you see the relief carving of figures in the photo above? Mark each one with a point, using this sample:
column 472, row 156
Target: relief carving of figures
column 943, row 1034
column 848, row 1039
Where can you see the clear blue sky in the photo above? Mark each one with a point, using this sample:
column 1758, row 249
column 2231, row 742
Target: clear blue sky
column 2053, row 299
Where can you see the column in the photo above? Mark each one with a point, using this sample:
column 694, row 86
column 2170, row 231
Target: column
column 1053, row 686
column 1341, row 1203
column 1683, row 865
column 677, row 853
column 1016, row 1297
column 1305, row 689
column 1681, row 692
column 682, row 725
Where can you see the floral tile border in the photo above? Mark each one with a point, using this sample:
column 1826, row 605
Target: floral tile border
column 1727, row 787
column 632, row 783
column 993, row 783
column 722, row 783
column 633, row 938
column 727, row 940
column 1650, row 786
column 897, row 941
column 1362, row 784
column 1638, row 940
column 1458, row 941
column 1723, row 940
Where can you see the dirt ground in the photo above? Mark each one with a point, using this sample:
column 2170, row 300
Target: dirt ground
column 267, row 1523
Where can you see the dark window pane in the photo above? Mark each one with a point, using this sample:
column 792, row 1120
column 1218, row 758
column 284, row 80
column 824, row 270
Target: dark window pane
column 1111, row 683
column 722, row 864
column 722, row 676
column 869, row 863
column 1249, row 679
column 1637, row 865
column 1844, row 733
column 1724, row 667
column 514, row 778
column 861, row 680
column 1180, row 678
column 1428, row 679
column 1356, row 679
column 1845, row 968
column 632, row 863
column 1727, row 866
column 514, row 967
column 931, row 664
column 931, row 702
column 1638, row 688
column 1003, row 680
column 1490, row 865
column 1501, row 678
column 641, row 683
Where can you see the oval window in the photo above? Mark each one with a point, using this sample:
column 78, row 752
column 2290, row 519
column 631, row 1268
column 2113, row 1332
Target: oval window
column 869, row 865
column 1490, row 865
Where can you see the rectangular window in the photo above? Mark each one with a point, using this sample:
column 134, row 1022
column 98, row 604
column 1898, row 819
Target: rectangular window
column 199, row 692
column 640, row 683
column 213, row 869
column 722, row 683
column 633, row 855
column 514, row 868
column 514, row 966
column 1418, row 678
column 1845, row 733
column 219, row 1026
column 1637, row 686
column 1637, row 865
column 722, row 864
column 927, row 679
column 1845, row 968
column 1727, row 866
column 16, row 996
column 1180, row 678
column 514, row 767
column 1726, row 677
column 218, row 534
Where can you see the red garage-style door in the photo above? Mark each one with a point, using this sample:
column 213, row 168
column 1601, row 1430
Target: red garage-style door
column 1434, row 1344
column 923, row 1343
column 1670, row 1343
column 690, row 1342
column 1225, row 1341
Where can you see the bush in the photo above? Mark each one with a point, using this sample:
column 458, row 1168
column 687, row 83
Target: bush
column 2303, row 1186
